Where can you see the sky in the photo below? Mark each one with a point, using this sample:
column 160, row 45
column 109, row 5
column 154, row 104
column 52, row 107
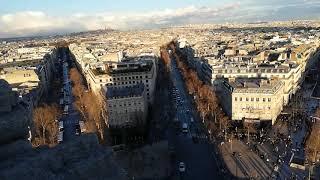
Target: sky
column 45, row 17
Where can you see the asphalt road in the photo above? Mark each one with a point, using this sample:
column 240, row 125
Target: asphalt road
column 199, row 159
column 71, row 119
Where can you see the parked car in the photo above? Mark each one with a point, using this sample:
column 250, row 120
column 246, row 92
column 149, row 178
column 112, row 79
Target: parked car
column 182, row 167
column 185, row 128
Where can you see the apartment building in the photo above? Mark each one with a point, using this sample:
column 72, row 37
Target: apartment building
column 128, row 72
column 253, row 99
column 290, row 74
column 127, row 106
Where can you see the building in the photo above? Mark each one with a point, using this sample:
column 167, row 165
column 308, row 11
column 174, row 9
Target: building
column 129, row 72
column 127, row 106
column 31, row 72
column 252, row 100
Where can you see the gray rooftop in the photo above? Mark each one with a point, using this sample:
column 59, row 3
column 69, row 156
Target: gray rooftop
column 253, row 85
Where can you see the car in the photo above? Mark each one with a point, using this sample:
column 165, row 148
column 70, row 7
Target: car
column 182, row 167
column 78, row 131
column 239, row 154
column 61, row 126
column 185, row 128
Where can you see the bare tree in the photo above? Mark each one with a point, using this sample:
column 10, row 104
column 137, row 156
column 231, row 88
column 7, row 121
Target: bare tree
column 44, row 118
column 250, row 128
column 313, row 142
column 96, row 111
column 92, row 106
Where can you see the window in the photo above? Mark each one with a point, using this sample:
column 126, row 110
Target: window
column 146, row 76
column 241, row 99
column 147, row 85
column 100, row 80
column 146, row 80
column 118, row 79
column 148, row 94
column 129, row 77
column 125, row 78
column 147, row 89
column 269, row 99
column 252, row 99
column 257, row 99
column 264, row 99
column 140, row 77
column 129, row 82
column 235, row 99
column 247, row 99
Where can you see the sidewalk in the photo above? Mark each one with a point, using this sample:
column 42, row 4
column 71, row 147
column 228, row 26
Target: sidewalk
column 246, row 165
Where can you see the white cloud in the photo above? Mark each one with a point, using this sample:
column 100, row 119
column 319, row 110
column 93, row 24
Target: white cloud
column 39, row 23
column 36, row 22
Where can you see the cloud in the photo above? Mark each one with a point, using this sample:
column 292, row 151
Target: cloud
column 29, row 23
column 38, row 23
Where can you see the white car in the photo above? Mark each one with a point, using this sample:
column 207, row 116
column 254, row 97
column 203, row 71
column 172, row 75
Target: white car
column 182, row 167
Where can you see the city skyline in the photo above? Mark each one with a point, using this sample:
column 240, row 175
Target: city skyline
column 46, row 18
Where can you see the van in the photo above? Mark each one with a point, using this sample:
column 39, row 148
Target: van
column 66, row 109
column 61, row 126
column 185, row 128
column 60, row 137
